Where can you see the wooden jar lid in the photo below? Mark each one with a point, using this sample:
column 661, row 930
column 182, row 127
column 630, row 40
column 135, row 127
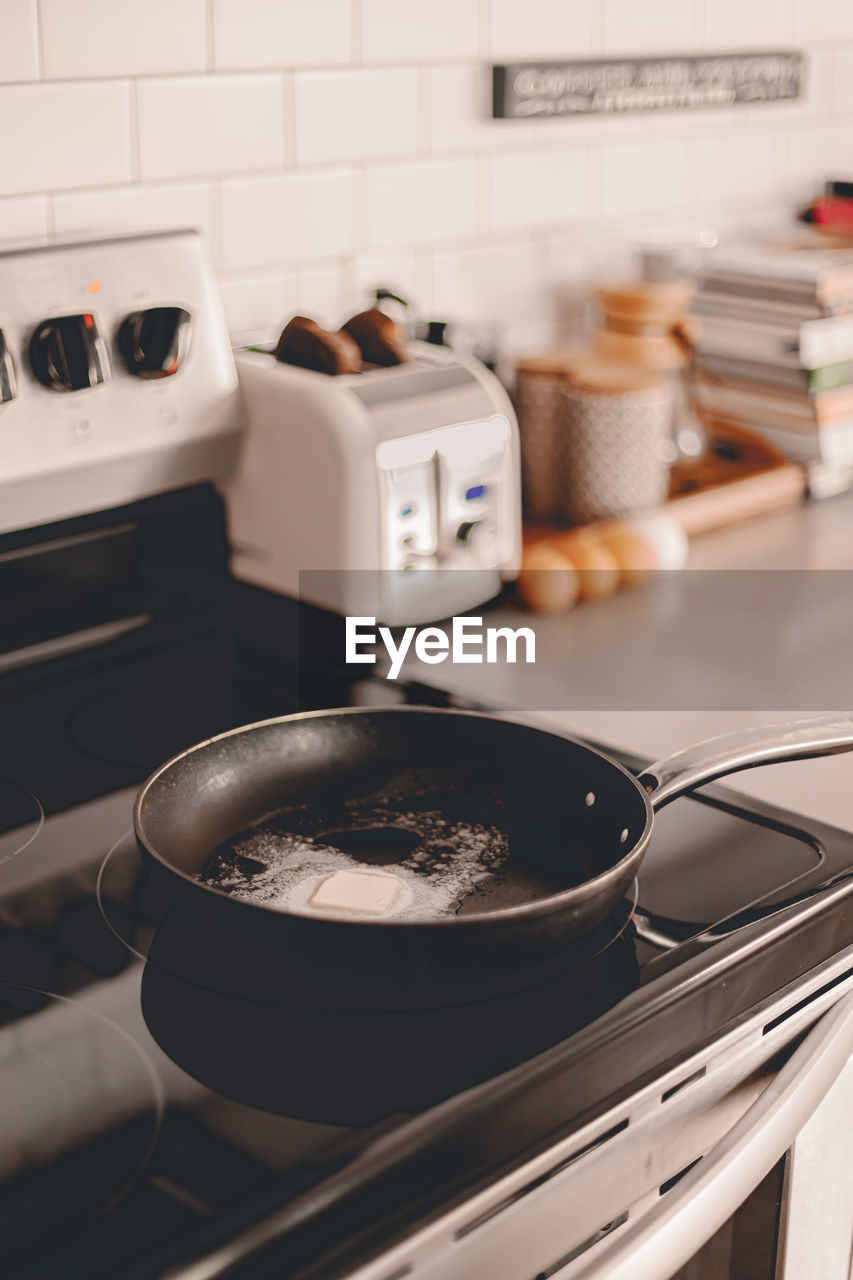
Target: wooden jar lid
column 605, row 377
column 661, row 302
column 553, row 364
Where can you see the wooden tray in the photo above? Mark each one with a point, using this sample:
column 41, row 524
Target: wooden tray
column 738, row 477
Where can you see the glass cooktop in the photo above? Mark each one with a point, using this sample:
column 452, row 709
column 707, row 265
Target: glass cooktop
column 147, row 1119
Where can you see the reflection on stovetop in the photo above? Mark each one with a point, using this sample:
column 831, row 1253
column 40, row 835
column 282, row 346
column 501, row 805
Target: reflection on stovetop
column 108, row 1152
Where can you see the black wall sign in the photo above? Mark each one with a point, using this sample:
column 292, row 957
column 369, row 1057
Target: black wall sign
column 603, row 86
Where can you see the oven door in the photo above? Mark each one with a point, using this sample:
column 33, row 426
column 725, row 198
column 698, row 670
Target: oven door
column 729, row 1167
column 773, row 1200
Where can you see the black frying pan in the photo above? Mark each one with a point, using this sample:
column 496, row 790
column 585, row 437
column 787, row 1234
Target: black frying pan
column 578, row 825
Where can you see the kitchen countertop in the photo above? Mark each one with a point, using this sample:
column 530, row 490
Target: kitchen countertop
column 666, row 665
column 814, row 535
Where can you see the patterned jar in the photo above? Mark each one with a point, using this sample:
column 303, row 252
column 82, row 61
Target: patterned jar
column 613, row 440
column 540, row 411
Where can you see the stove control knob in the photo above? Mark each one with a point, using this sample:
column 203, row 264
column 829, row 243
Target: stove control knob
column 154, row 343
column 68, row 354
column 8, row 381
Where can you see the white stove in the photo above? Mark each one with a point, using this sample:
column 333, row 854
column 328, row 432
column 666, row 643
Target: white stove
column 117, row 379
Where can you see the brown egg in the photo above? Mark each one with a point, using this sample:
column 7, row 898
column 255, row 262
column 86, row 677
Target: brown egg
column 549, row 581
column 636, row 558
column 597, row 566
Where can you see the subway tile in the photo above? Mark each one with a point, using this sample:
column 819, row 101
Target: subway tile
column 645, row 177
column 541, row 29
column 538, row 188
column 210, row 124
column 842, row 90
column 758, row 24
column 393, row 31
column 519, row 341
column 461, row 112
column 408, row 274
column 355, row 115
column 281, row 33
column 653, row 26
column 140, row 207
column 19, row 44
column 258, row 307
column 485, row 284
column 816, row 155
column 823, row 20
column 425, row 202
column 287, row 218
column 747, row 169
column 122, row 37
column 65, row 135
column 326, row 292
column 23, row 218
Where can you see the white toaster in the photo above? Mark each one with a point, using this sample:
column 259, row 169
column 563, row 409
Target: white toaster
column 393, row 493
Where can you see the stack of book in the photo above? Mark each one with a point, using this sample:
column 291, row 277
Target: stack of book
column 774, row 352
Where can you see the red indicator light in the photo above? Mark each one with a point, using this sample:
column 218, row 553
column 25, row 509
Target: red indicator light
column 93, row 286
column 88, row 321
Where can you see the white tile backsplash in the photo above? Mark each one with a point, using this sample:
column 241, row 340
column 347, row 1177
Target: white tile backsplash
column 646, row 176
column 19, row 58
column 326, row 292
column 748, row 168
column 823, row 20
column 405, row 31
column 289, row 218
column 654, row 26
column 325, row 147
column 753, row 24
column 23, row 218
column 421, row 203
column 355, row 115
column 408, row 274
column 818, row 154
column 538, row 188
column 842, row 81
column 89, row 38
column 192, row 125
column 542, row 29
column 460, row 110
column 65, row 135
column 255, row 34
column 256, row 307
column 496, row 282
column 141, row 207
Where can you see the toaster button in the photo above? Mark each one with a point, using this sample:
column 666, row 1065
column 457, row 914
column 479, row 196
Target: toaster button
column 466, row 529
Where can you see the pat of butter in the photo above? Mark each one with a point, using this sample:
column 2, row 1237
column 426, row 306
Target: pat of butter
column 360, row 892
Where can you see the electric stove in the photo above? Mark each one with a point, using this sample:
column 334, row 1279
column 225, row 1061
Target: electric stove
column 154, row 1127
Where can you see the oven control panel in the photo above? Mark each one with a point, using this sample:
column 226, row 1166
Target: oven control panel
column 116, row 375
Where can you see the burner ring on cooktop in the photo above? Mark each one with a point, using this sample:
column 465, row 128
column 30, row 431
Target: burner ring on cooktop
column 24, row 812
column 80, row 1062
column 123, row 890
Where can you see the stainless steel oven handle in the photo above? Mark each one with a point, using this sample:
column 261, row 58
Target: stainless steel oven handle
column 667, row 1237
column 745, row 749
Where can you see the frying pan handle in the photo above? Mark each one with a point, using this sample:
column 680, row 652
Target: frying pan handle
column 745, row 749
